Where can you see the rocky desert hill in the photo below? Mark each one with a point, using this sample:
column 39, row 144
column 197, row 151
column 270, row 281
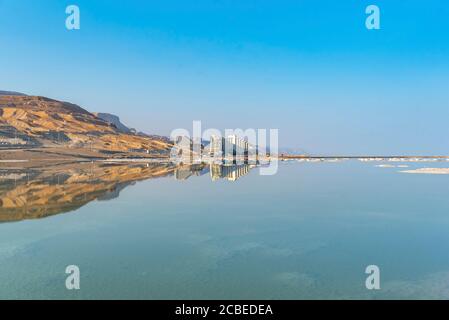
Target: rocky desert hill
column 114, row 120
column 38, row 122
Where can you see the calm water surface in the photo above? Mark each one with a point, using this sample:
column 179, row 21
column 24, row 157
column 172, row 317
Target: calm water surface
column 307, row 232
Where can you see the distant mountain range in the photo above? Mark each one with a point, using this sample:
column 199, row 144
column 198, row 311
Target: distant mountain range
column 34, row 121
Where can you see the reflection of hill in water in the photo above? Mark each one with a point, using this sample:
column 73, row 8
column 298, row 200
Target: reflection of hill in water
column 38, row 193
column 42, row 192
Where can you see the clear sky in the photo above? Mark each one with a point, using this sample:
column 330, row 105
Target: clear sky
column 309, row 68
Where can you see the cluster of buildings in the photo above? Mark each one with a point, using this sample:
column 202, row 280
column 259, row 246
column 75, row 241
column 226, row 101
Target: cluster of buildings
column 230, row 146
column 220, row 148
column 10, row 137
column 11, row 141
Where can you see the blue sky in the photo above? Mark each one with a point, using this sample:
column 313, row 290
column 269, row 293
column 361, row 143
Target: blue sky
column 309, row 68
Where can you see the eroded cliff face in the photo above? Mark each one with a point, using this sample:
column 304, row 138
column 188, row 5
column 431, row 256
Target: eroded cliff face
column 41, row 192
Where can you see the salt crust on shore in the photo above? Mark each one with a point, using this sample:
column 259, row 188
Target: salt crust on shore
column 428, row 171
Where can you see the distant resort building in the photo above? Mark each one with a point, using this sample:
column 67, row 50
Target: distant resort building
column 230, row 146
column 220, row 148
column 11, row 141
column 183, row 150
column 217, row 146
column 227, row 158
column 10, row 137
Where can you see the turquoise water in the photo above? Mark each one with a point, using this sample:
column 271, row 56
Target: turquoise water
column 307, row 232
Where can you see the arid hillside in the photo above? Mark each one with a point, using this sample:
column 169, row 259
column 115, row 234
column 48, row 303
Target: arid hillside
column 39, row 122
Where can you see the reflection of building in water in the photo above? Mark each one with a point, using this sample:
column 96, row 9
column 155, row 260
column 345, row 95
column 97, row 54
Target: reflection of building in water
column 217, row 171
column 184, row 172
column 231, row 173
